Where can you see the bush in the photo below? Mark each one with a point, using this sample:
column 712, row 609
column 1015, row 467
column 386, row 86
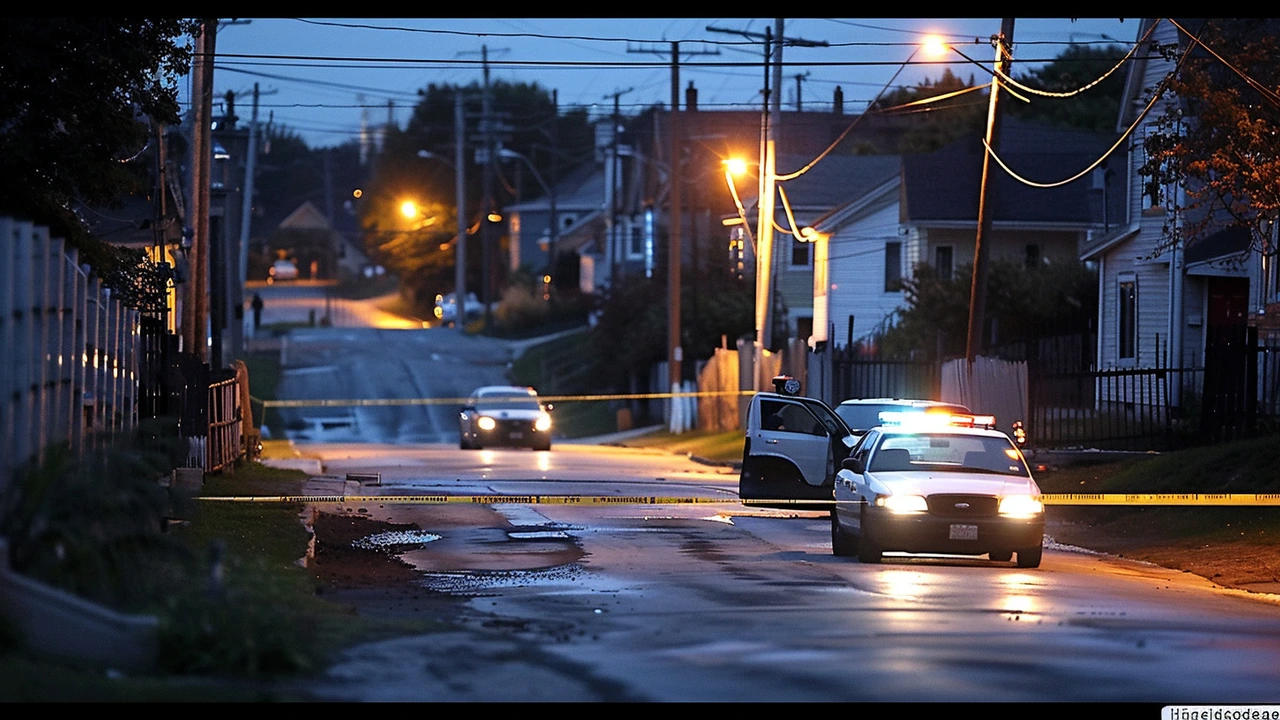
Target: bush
column 96, row 525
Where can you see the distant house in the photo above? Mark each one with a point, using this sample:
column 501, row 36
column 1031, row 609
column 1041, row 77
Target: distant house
column 884, row 215
column 348, row 258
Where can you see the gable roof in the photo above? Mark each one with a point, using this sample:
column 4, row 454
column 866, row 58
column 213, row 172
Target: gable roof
column 944, row 187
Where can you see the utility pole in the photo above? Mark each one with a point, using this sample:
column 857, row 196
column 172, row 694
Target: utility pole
column 460, row 188
column 978, row 290
column 246, row 215
column 486, row 260
column 195, row 311
column 611, row 192
column 768, row 185
column 675, row 251
column 553, row 231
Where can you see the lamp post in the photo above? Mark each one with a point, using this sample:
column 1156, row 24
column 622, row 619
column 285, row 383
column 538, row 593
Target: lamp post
column 553, row 226
column 460, row 245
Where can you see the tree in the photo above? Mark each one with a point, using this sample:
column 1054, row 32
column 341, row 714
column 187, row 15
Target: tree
column 1219, row 141
column 1095, row 109
column 1024, row 304
column 938, row 123
column 421, row 253
column 76, row 98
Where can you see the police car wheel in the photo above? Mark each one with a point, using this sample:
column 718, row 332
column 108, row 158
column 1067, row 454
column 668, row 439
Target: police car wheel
column 867, row 550
column 1030, row 557
column 1001, row 555
column 841, row 544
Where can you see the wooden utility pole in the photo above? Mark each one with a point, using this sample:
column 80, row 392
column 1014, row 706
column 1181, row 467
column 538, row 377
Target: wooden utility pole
column 195, row 311
column 675, row 352
column 770, row 118
column 978, row 290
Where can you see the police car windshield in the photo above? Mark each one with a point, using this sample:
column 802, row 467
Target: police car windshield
column 506, row 402
column 934, row 451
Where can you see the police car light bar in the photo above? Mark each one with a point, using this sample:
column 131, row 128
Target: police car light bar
column 933, row 421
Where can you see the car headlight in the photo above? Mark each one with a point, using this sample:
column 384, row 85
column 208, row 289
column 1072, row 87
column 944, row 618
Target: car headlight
column 486, row 423
column 1020, row 506
column 543, row 423
column 903, row 504
column 439, row 311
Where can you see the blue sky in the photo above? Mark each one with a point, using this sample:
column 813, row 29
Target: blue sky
column 325, row 77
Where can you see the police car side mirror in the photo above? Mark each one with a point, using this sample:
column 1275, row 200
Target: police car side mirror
column 853, row 465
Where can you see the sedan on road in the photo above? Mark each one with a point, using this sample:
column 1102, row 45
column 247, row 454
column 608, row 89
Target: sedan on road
column 938, row 485
column 504, row 416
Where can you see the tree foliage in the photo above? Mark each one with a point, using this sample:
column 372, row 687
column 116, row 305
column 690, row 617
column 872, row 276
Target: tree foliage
column 76, row 95
column 1220, row 140
column 938, row 123
column 1023, row 303
column 421, row 252
column 1096, row 109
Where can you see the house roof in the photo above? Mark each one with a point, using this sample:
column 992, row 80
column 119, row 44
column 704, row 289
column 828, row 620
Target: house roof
column 944, row 187
column 305, row 217
column 1227, row 242
column 581, row 190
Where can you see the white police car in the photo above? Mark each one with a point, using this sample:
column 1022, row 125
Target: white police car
column 927, row 484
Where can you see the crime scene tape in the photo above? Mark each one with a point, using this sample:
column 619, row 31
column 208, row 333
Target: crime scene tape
column 375, row 402
column 1184, row 499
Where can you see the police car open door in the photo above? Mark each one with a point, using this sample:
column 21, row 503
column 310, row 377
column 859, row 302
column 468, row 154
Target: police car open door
column 792, row 452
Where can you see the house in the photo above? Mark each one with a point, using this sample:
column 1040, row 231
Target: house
column 884, row 215
column 1161, row 304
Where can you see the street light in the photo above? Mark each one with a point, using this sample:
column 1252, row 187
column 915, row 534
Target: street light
column 460, row 246
column 554, row 225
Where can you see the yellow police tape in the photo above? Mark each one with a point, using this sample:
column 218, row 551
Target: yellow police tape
column 464, row 401
column 1233, row 499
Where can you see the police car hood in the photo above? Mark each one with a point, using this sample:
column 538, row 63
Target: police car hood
column 931, row 482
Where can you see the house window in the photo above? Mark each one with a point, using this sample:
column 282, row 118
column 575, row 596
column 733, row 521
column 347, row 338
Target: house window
column 944, row 262
column 892, row 266
column 1033, row 256
column 635, row 239
column 1127, row 322
column 799, row 253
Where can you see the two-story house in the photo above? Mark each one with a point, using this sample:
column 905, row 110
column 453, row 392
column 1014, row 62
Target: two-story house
column 1161, row 303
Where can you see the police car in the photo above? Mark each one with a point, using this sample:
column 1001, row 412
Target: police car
column 792, row 451
column 927, row 484
column 504, row 416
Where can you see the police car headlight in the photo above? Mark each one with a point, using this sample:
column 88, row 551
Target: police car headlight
column 1020, row 506
column 543, row 423
column 486, row 423
column 903, row 504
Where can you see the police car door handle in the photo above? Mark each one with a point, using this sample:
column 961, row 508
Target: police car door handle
column 771, row 441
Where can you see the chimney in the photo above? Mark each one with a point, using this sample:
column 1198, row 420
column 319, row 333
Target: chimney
column 690, row 98
column 837, row 103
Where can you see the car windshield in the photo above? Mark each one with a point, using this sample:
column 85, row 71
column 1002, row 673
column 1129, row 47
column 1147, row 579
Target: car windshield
column 507, row 402
column 948, row 451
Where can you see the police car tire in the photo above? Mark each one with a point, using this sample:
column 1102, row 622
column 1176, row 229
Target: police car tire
column 867, row 551
column 1030, row 557
column 1001, row 555
column 841, row 544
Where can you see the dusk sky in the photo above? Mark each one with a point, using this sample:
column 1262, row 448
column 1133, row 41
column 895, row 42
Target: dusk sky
column 323, row 77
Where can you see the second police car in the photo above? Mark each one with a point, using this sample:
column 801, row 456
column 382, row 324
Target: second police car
column 940, row 485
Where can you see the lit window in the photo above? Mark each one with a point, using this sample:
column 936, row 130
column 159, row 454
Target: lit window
column 892, row 266
column 1127, row 332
